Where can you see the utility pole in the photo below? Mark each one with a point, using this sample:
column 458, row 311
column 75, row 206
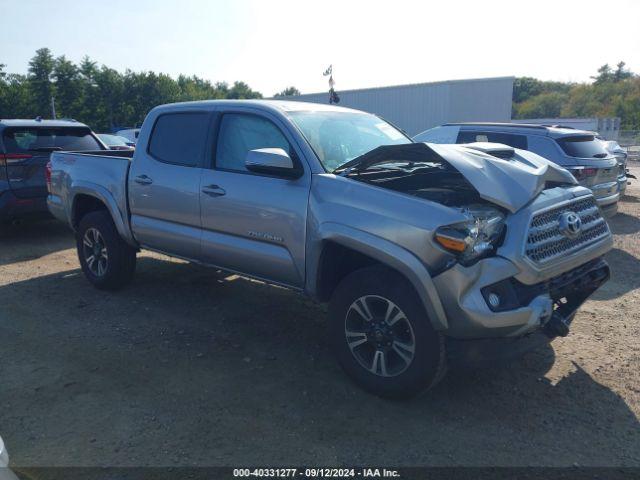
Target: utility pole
column 53, row 108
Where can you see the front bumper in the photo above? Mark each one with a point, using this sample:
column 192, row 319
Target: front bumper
column 466, row 296
column 563, row 295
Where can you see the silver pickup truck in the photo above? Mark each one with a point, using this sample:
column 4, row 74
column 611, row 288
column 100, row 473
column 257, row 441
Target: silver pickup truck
column 428, row 255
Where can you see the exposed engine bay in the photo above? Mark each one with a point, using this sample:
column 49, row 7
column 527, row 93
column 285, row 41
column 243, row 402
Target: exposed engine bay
column 437, row 182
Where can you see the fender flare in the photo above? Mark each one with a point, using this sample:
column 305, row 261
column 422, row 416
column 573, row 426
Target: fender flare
column 101, row 193
column 387, row 253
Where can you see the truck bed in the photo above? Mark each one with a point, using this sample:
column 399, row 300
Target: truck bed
column 102, row 173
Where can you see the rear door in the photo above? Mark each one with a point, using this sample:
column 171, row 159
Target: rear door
column 164, row 183
column 26, row 151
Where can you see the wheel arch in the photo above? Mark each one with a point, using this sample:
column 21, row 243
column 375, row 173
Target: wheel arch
column 89, row 198
column 341, row 249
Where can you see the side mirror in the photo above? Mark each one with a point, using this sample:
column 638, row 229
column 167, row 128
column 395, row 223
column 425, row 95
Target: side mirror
column 272, row 161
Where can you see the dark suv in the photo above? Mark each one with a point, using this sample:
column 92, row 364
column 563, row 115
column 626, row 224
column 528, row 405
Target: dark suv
column 578, row 151
column 25, row 146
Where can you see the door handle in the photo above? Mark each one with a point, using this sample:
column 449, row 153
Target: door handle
column 143, row 180
column 213, row 190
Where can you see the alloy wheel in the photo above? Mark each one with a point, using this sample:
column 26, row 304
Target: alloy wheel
column 379, row 336
column 95, row 252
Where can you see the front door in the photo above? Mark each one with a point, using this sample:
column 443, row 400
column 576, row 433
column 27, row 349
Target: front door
column 253, row 224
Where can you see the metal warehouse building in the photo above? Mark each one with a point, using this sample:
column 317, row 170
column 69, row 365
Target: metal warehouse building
column 420, row 106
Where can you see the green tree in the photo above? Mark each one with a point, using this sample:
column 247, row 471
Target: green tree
column 605, row 74
column 288, row 92
column 92, row 111
column 242, row 90
column 621, row 73
column 68, row 88
column 40, row 85
column 544, row 105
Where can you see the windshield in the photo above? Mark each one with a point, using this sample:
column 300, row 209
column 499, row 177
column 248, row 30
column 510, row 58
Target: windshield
column 113, row 140
column 584, row 146
column 338, row 137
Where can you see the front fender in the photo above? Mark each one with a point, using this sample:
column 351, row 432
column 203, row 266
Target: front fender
column 385, row 252
column 101, row 193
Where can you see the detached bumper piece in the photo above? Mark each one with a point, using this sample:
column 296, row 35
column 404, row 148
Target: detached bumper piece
column 568, row 291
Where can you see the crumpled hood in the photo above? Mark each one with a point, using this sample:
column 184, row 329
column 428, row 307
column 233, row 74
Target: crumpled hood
column 510, row 182
column 506, row 176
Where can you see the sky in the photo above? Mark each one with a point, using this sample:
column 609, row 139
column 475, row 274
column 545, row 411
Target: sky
column 273, row 44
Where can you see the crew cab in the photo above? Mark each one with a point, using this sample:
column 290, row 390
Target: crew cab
column 25, row 146
column 427, row 254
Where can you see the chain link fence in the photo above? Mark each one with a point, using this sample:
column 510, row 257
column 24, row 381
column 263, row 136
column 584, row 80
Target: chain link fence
column 630, row 140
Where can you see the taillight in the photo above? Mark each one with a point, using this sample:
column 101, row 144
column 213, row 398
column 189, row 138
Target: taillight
column 47, row 176
column 581, row 173
column 8, row 158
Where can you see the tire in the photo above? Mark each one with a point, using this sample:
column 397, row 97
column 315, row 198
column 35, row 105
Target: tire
column 116, row 259
column 406, row 324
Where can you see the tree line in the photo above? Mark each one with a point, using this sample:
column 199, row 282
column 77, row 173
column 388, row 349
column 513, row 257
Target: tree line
column 98, row 95
column 105, row 98
column 614, row 92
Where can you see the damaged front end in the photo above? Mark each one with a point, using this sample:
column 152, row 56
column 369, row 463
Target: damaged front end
column 514, row 272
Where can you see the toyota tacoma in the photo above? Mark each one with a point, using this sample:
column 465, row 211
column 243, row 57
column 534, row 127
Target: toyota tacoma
column 427, row 254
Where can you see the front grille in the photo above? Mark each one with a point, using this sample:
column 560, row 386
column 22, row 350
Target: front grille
column 545, row 241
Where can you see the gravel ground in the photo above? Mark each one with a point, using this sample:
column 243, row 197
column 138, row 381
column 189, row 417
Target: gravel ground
column 188, row 366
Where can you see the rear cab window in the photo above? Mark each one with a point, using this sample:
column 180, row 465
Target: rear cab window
column 34, row 139
column 180, row 138
column 583, row 146
column 513, row 140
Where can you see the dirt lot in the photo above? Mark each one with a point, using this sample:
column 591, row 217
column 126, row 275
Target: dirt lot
column 189, row 367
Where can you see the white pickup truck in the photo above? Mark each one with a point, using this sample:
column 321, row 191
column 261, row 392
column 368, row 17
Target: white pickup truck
column 424, row 252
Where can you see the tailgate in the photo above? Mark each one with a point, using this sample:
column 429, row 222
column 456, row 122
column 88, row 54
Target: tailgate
column 26, row 151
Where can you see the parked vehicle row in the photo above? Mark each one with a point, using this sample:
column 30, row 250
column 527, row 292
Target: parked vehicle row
column 116, row 142
column 621, row 156
column 576, row 150
column 25, row 147
column 427, row 254
column 131, row 134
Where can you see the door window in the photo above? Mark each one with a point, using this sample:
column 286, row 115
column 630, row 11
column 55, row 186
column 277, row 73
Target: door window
column 515, row 141
column 180, row 138
column 240, row 133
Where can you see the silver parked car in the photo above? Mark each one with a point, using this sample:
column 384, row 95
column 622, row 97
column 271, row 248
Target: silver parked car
column 427, row 254
column 622, row 156
column 576, row 150
column 5, row 472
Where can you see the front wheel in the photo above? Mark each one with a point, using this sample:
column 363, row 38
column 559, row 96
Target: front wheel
column 106, row 259
column 382, row 336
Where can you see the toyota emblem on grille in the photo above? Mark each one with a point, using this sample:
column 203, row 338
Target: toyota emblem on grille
column 570, row 224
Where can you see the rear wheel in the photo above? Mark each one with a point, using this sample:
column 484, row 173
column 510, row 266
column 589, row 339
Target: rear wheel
column 382, row 336
column 106, row 259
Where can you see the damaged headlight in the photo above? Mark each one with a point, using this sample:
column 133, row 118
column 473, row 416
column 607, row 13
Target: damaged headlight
column 474, row 238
